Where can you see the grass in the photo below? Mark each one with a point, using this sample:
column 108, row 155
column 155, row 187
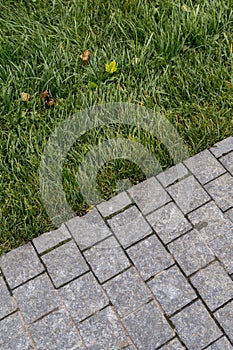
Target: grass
column 167, row 58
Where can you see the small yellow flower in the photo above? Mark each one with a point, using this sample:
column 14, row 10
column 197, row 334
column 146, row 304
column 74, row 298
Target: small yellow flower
column 111, row 67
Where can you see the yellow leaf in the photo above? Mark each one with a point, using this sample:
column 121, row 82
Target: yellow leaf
column 25, row 96
column 111, row 67
column 185, row 8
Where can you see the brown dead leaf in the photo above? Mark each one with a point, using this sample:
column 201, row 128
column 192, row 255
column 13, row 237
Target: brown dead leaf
column 44, row 94
column 25, row 96
column 185, row 8
column 49, row 102
column 85, row 57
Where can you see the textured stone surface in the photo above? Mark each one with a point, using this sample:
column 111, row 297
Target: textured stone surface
column 225, row 317
column 172, row 290
column 20, row 265
column 127, row 292
column 129, row 226
column 6, row 301
column 150, row 257
column 227, row 161
column 173, row 345
column 222, row 147
column 188, row 194
column 107, row 259
column 64, row 263
column 221, row 190
column 214, row 285
column 173, row 174
column 191, row 252
column 169, row 222
column 195, row 326
column 220, row 344
column 114, row 204
column 148, row 328
column 149, row 195
column 83, row 297
column 222, row 247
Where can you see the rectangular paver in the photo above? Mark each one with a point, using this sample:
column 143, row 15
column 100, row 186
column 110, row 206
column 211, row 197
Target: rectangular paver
column 227, row 161
column 222, row 247
column 173, row 345
column 222, row 147
column 225, row 317
column 7, row 304
column 114, row 204
column 172, row 175
column 220, row 344
column 221, row 190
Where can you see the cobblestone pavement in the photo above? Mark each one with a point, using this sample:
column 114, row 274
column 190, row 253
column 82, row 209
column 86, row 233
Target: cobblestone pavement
column 150, row 269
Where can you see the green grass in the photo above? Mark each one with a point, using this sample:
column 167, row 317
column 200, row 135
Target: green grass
column 168, row 59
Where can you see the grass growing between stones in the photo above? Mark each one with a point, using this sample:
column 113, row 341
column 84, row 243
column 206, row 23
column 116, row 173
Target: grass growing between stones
column 169, row 57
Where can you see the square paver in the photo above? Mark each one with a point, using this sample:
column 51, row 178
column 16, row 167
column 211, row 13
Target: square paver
column 114, row 204
column 172, row 290
column 222, row 147
column 220, row 344
column 127, row 292
column 222, row 247
column 89, row 229
column 64, row 263
column 149, row 195
column 214, row 285
column 221, row 190
column 227, row 161
column 172, row 175
column 188, row 194
column 148, row 328
column 169, row 222
column 173, row 345
column 129, row 226
column 204, row 166
column 83, row 297
column 191, row 252
column 150, row 257
column 103, row 331
column 6, row 301
column 21, row 264
column 50, row 239
column 56, row 331
column 36, row 298
column 107, row 259
column 210, row 222
column 225, row 317
column 195, row 326
column 13, row 334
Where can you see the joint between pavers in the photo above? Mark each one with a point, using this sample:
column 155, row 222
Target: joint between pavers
column 56, row 246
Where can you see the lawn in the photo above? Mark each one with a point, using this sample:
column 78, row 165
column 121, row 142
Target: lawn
column 170, row 57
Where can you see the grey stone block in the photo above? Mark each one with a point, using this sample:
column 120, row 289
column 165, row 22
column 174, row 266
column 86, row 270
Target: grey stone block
column 149, row 195
column 195, row 326
column 225, row 317
column 172, row 175
column 6, row 301
column 229, row 214
column 172, row 290
column 50, row 239
column 103, row 331
column 169, row 222
column 222, row 247
column 127, row 292
column 89, row 229
column 214, row 285
column 222, row 147
column 107, row 259
column 64, row 263
column 83, row 297
column 227, row 161
column 221, row 190
column 13, row 335
column 150, row 257
column 188, row 194
column 148, row 328
column 221, row 344
column 173, row 345
column 114, row 204
column 21, row 264
column 204, row 166
column 56, row 331
column 129, row 226
column 36, row 298
column 191, row 252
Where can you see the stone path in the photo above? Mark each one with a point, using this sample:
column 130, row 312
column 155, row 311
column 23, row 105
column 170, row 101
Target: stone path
column 150, row 269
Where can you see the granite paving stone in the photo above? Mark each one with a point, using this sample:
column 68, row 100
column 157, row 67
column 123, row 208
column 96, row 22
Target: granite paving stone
column 214, row 285
column 114, row 204
column 149, row 195
column 107, row 259
column 173, row 345
column 148, row 328
column 227, row 161
column 169, row 222
column 103, row 331
column 221, row 344
column 229, row 214
column 56, row 331
column 7, row 304
column 150, row 257
column 172, row 290
column 65, row 263
column 172, row 175
column 188, row 194
column 129, row 226
column 20, row 264
column 83, row 297
column 127, row 292
column 36, row 298
column 195, row 326
column 204, row 166
column 222, row 247
column 222, row 147
column 191, row 252
column 225, row 317
column 221, row 190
